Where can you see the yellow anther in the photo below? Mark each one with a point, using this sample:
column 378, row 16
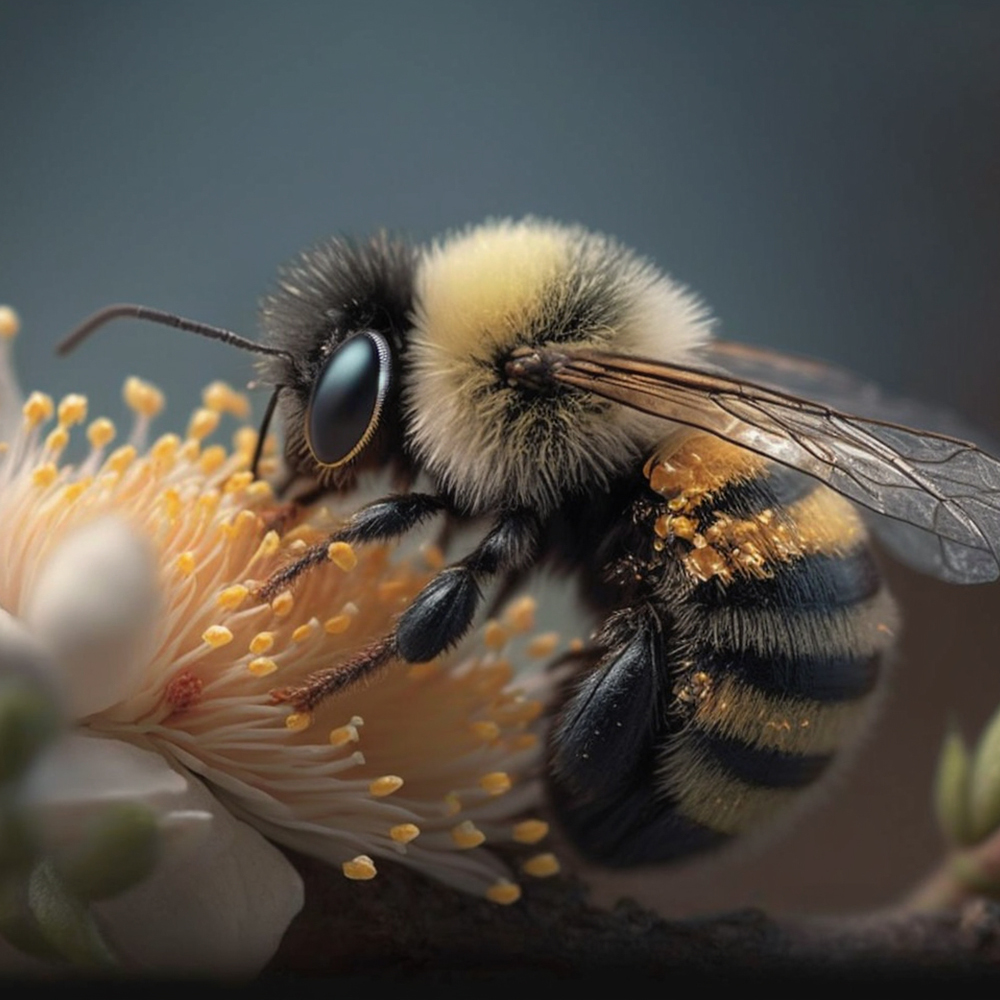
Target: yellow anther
column 57, row 439
column 164, row 451
column 224, row 399
column 530, row 831
column 190, row 451
column 212, row 458
column 520, row 615
column 186, row 563
column 232, row 597
column 503, row 892
column 74, row 490
column 485, row 731
column 217, row 635
column 543, row 645
column 342, row 555
column 432, row 555
column 142, row 397
column 495, row 783
column 209, row 500
column 542, row 865
column 262, row 666
column 467, row 835
column 245, row 441
column 385, row 785
column 360, row 868
column 171, row 501
column 302, row 632
column 238, row 481
column 283, row 603
column 72, row 409
column 269, row 545
column 494, row 635
column 45, row 475
column 10, row 323
column 120, row 459
column 343, row 735
column 337, row 624
column 260, row 489
column 452, row 804
column 298, row 721
column 38, row 408
column 202, row 423
column 403, row 833
column 262, row 642
column 101, row 432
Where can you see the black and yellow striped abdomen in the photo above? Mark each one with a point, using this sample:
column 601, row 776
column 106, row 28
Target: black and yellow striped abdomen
column 762, row 621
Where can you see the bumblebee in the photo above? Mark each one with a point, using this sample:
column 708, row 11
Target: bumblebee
column 712, row 503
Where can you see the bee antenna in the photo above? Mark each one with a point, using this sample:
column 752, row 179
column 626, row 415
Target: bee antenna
column 264, row 425
column 127, row 310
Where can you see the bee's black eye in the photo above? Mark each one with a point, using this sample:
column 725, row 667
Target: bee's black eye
column 347, row 399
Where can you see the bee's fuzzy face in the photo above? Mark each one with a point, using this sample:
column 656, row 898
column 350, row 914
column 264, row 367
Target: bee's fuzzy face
column 487, row 291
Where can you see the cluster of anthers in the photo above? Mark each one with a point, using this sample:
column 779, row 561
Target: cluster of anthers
column 429, row 765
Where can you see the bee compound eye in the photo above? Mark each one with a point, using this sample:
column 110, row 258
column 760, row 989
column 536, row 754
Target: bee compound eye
column 347, row 399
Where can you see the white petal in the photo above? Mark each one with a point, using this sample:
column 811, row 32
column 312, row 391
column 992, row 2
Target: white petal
column 94, row 606
column 80, row 772
column 21, row 653
column 217, row 908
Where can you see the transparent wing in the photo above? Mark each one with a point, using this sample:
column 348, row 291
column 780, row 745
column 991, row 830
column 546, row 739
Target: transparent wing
column 938, row 496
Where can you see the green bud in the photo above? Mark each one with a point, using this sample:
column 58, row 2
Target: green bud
column 65, row 922
column 119, row 847
column 28, row 720
column 17, row 925
column 951, row 789
column 984, row 783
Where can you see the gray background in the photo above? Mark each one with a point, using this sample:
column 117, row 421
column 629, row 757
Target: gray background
column 826, row 175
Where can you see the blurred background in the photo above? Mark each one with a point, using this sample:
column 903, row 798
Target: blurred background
column 827, row 176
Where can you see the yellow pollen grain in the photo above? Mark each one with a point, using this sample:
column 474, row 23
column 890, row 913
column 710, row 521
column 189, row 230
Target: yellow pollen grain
column 238, row 481
column 171, row 501
column 269, row 545
column 262, row 642
column 530, row 831
column 217, row 636
column 142, row 397
column 72, row 409
column 403, row 833
column 38, row 408
column 337, row 624
column 452, row 804
column 222, row 398
column 543, row 645
column 262, row 666
column 432, row 555
column 341, row 554
column 186, row 563
column 212, row 458
column 494, row 635
column 101, row 432
column 232, row 597
column 303, row 632
column 298, row 721
column 120, row 459
column 343, row 735
column 542, row 865
column 283, row 603
column 45, row 475
column 495, row 783
column 485, row 731
column 385, row 785
column 503, row 892
column 467, row 835
column 57, row 439
column 203, row 422
column 10, row 323
column 520, row 616
column 360, row 869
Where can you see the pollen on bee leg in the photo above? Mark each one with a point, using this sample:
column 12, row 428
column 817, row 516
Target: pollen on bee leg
column 360, row 868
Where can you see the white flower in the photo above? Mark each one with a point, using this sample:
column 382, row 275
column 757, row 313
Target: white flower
column 137, row 569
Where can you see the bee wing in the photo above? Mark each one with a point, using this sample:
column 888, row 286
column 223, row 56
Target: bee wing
column 938, row 495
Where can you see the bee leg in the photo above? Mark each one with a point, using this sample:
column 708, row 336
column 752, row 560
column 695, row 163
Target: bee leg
column 380, row 521
column 443, row 611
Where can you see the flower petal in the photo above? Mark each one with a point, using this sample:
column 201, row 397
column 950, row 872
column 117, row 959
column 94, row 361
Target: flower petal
column 216, row 907
column 94, row 605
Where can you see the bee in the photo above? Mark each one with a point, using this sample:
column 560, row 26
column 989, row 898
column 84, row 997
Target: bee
column 712, row 502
